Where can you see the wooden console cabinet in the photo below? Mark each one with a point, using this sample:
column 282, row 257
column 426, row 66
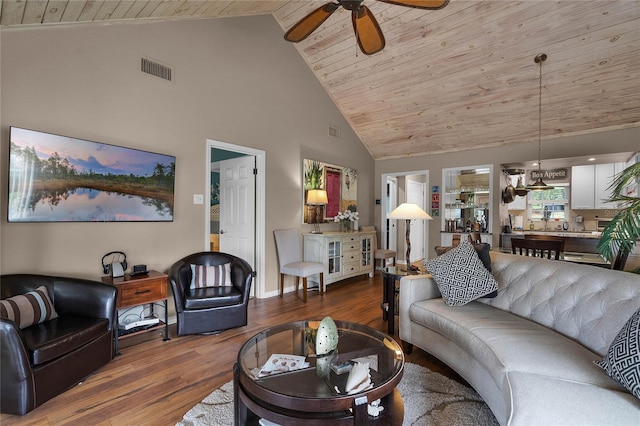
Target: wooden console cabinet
column 343, row 254
column 145, row 289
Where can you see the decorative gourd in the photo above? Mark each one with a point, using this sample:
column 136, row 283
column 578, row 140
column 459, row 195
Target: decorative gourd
column 326, row 337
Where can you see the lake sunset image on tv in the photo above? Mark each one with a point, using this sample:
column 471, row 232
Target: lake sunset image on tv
column 55, row 178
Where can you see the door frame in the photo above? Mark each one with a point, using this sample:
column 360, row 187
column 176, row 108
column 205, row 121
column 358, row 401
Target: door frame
column 383, row 222
column 260, row 219
column 415, row 188
column 390, row 201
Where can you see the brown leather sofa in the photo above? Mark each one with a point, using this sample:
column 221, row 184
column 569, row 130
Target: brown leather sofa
column 210, row 309
column 43, row 360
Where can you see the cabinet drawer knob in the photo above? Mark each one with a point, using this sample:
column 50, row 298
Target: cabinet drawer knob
column 143, row 291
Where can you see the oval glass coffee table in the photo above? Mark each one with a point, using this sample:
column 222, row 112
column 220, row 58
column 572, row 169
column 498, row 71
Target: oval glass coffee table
column 314, row 394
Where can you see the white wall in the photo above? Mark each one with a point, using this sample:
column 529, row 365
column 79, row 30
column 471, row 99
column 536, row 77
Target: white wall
column 236, row 81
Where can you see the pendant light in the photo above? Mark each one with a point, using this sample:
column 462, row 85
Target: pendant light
column 539, row 185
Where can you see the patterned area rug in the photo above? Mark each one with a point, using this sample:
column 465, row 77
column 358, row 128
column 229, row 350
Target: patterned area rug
column 429, row 399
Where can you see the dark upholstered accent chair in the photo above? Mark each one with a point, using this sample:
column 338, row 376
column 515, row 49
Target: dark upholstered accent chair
column 43, row 360
column 210, row 309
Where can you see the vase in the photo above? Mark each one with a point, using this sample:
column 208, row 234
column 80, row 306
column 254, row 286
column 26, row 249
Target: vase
column 345, row 226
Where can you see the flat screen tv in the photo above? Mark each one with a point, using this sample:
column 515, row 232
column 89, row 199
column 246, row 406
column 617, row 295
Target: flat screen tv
column 55, row 178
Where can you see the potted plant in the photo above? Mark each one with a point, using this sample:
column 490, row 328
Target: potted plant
column 623, row 233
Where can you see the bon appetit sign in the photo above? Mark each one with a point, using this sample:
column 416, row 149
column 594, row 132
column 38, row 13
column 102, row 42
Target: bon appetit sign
column 557, row 174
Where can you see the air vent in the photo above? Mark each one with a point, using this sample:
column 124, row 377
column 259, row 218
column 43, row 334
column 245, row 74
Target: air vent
column 156, row 69
column 334, row 132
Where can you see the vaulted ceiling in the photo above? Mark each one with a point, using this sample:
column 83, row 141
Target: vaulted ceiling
column 452, row 79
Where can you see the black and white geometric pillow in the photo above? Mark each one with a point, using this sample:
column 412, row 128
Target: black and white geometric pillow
column 622, row 360
column 460, row 275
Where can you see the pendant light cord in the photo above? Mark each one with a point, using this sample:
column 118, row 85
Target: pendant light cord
column 540, row 58
column 540, row 114
column 539, row 184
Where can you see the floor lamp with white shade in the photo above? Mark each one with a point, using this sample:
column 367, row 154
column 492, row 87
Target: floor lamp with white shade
column 409, row 211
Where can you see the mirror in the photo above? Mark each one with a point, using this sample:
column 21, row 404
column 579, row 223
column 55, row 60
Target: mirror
column 340, row 183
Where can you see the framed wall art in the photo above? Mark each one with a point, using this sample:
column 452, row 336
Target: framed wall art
column 55, row 178
column 340, row 184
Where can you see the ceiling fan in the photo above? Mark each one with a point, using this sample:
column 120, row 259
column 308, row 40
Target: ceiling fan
column 368, row 33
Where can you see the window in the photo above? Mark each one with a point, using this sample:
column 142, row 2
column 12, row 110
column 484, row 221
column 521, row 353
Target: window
column 550, row 204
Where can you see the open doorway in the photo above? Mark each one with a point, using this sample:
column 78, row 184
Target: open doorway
column 402, row 187
column 389, row 231
column 236, row 178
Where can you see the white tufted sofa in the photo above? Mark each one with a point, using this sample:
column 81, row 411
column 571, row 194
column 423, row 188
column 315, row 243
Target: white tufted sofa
column 529, row 351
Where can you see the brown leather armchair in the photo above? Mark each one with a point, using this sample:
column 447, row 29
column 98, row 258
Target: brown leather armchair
column 210, row 309
column 43, row 360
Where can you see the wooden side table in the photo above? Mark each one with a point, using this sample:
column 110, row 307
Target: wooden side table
column 150, row 288
column 390, row 275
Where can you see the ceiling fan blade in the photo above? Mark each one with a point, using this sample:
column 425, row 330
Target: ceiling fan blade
column 310, row 23
column 419, row 4
column 368, row 32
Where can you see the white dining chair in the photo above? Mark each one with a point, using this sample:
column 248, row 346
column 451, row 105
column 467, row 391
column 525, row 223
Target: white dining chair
column 291, row 263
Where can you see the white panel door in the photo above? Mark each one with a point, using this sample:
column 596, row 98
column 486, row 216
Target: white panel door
column 237, row 207
column 415, row 194
column 391, row 240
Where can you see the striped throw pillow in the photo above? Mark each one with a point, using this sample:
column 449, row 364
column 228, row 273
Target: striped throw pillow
column 28, row 309
column 210, row 276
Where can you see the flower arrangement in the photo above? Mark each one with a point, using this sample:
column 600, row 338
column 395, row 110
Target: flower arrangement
column 346, row 218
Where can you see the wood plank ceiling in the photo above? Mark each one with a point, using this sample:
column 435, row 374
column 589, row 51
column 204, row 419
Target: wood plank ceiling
column 453, row 79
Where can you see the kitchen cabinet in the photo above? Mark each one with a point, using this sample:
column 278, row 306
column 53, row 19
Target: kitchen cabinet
column 590, row 185
column 605, row 174
column 466, row 199
column 343, row 254
column 631, row 190
column 583, row 188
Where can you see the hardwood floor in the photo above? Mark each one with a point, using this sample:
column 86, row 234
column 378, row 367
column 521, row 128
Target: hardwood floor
column 154, row 382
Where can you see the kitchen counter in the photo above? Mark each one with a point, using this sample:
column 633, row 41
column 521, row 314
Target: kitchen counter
column 567, row 234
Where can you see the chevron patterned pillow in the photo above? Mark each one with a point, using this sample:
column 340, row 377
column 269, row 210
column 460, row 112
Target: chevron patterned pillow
column 460, row 275
column 622, row 360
